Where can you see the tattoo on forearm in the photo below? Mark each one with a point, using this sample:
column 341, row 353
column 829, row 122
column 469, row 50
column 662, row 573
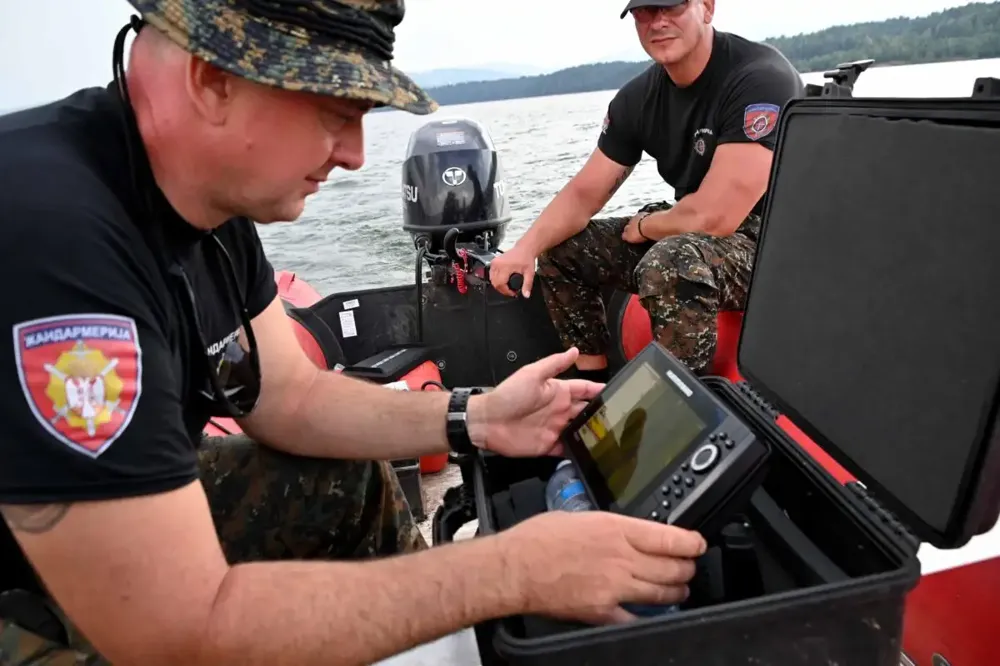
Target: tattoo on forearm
column 621, row 179
column 33, row 518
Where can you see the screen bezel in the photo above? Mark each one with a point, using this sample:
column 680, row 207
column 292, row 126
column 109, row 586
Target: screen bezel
column 707, row 409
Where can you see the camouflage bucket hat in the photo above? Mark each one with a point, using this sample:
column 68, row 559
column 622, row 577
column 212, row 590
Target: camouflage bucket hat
column 340, row 48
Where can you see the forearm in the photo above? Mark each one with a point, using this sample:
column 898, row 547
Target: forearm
column 691, row 214
column 566, row 215
column 357, row 613
column 342, row 417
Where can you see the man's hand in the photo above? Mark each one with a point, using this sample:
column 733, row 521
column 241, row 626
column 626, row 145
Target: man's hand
column 633, row 233
column 524, row 415
column 517, row 260
column 735, row 181
column 584, row 566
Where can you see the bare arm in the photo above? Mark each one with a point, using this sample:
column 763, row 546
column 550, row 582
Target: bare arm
column 147, row 583
column 308, row 411
column 735, row 181
column 582, row 198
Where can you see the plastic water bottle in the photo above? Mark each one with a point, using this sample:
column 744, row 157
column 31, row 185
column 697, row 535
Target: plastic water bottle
column 565, row 491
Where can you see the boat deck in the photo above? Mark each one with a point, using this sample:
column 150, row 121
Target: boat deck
column 454, row 650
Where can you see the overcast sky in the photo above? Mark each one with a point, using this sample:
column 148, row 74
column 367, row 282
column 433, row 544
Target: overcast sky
column 49, row 48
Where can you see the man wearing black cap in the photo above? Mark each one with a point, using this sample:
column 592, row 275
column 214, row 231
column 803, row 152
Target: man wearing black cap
column 142, row 303
column 706, row 111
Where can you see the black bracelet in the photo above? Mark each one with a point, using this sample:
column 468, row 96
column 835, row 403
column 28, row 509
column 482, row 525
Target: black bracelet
column 457, row 426
column 638, row 227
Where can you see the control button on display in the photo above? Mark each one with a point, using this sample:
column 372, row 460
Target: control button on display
column 705, row 457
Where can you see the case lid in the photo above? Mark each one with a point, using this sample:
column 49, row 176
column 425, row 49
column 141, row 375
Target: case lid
column 873, row 318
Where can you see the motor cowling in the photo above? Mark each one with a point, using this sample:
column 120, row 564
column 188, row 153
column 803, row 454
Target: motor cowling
column 453, row 178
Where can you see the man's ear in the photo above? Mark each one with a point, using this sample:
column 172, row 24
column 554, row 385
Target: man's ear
column 210, row 89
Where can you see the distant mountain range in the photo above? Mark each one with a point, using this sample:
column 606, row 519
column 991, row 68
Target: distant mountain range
column 489, row 72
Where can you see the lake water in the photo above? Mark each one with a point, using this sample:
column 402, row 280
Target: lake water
column 350, row 235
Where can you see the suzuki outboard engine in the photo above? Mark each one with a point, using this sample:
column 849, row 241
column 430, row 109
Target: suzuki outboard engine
column 453, row 179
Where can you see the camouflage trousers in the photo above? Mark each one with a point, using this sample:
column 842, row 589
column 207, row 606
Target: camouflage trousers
column 683, row 282
column 266, row 505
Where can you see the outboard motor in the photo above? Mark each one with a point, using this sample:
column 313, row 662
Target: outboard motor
column 453, row 179
column 455, row 206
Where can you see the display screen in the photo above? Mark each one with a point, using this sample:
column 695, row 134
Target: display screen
column 642, row 427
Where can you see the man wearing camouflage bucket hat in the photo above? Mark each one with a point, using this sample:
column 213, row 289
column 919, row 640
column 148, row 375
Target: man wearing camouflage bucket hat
column 148, row 306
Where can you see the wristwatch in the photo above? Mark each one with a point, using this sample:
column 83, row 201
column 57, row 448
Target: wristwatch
column 457, row 428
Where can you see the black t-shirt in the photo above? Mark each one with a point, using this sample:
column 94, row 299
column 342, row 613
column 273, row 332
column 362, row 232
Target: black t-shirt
column 102, row 370
column 736, row 99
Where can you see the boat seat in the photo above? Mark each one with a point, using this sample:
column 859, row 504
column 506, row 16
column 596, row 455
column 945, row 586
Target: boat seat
column 404, row 368
column 410, row 364
column 637, row 332
column 315, row 337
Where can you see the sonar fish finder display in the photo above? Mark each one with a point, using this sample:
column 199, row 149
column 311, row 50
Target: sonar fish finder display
column 643, row 426
column 657, row 443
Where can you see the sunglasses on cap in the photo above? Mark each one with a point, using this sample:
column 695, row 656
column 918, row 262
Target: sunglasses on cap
column 235, row 378
column 649, row 13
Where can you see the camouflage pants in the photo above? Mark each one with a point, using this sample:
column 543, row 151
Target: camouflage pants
column 268, row 505
column 683, row 282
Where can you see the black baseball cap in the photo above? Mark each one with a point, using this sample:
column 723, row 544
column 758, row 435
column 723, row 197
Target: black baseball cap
column 634, row 4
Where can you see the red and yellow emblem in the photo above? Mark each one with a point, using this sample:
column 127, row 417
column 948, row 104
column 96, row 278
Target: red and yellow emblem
column 81, row 376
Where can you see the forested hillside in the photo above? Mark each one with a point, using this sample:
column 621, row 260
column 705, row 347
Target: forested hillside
column 964, row 33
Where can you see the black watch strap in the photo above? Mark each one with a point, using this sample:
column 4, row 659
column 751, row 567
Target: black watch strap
column 457, row 428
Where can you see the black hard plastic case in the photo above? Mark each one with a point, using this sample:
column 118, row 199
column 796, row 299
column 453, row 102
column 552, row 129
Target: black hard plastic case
column 872, row 325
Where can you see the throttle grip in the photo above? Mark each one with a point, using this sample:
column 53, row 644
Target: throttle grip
column 515, row 282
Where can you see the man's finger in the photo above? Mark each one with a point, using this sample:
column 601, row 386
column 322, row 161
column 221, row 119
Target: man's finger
column 499, row 282
column 529, row 279
column 583, row 389
column 550, row 366
column 576, row 408
column 618, row 615
column 663, row 570
column 555, row 451
column 656, row 539
column 650, row 594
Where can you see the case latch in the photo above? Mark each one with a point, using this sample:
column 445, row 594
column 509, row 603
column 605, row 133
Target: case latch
column 986, row 86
